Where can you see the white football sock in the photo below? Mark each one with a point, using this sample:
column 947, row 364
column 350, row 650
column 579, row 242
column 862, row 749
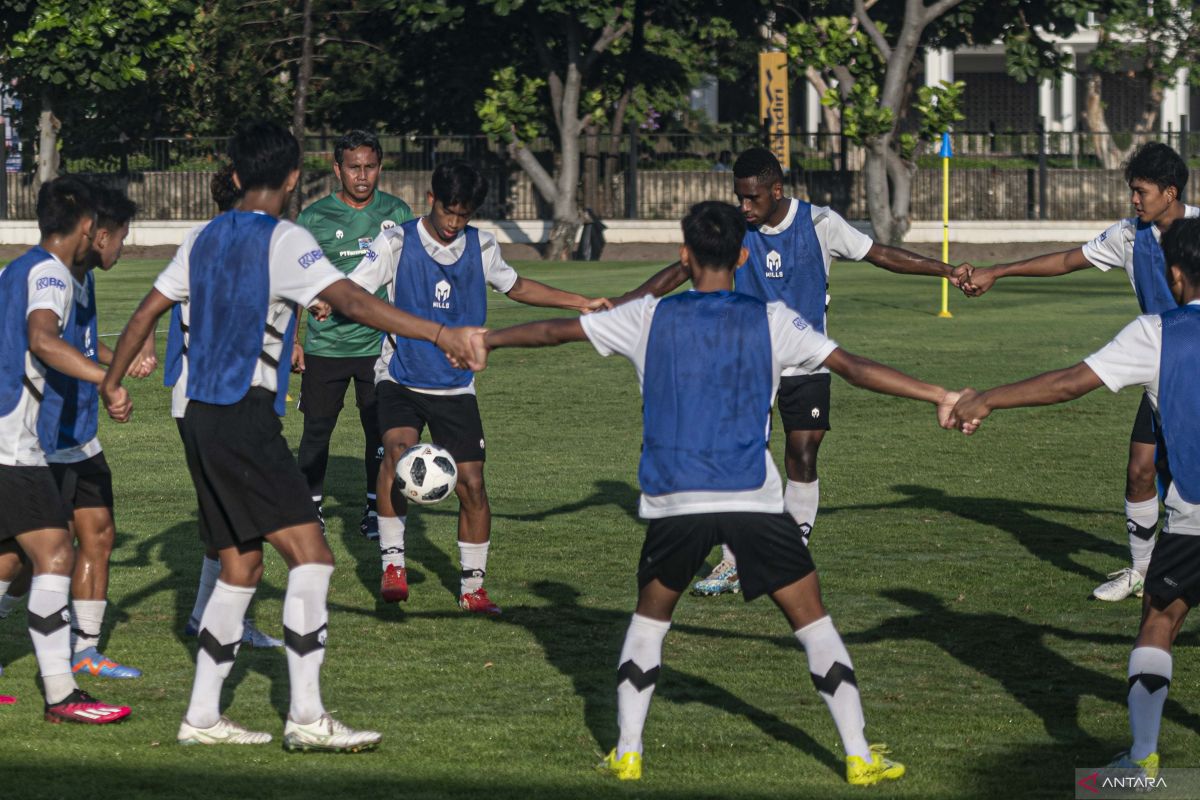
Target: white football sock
column 1141, row 519
column 50, row 629
column 801, row 501
column 833, row 675
column 220, row 636
column 6, row 602
column 1149, row 680
column 391, row 541
column 727, row 555
column 86, row 618
column 305, row 622
column 473, row 558
column 208, row 579
column 637, row 675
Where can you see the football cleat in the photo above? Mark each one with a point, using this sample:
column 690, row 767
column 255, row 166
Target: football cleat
column 253, row 637
column 7, row 699
column 722, row 579
column 627, row 768
column 225, row 731
column 327, row 735
column 1121, row 584
column 860, row 772
column 95, row 663
column 393, row 584
column 368, row 526
column 321, row 519
column 478, row 602
column 79, row 706
column 1146, row 767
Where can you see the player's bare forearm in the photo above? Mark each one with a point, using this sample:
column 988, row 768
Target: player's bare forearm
column 868, row 374
column 48, row 346
column 104, row 353
column 1057, row 386
column 137, row 331
column 1049, row 265
column 535, row 293
column 659, row 284
column 895, row 259
column 545, row 333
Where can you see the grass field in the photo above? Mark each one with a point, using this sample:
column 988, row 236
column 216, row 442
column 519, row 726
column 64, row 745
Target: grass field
column 957, row 570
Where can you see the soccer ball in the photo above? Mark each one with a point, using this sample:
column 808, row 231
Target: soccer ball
column 426, row 474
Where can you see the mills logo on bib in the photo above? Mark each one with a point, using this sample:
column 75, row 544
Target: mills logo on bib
column 441, row 294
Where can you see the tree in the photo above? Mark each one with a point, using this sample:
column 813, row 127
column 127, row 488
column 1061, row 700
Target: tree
column 79, row 55
column 871, row 52
column 1151, row 42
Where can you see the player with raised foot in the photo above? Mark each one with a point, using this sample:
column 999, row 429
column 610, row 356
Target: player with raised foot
column 792, row 244
column 238, row 284
column 337, row 351
column 1158, row 352
column 37, row 334
column 439, row 267
column 1156, row 175
column 709, row 363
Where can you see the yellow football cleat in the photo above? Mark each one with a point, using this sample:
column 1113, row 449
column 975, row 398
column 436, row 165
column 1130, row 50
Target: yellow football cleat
column 860, row 772
column 627, row 768
column 1147, row 765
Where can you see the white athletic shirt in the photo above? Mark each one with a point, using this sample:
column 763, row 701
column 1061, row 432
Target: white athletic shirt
column 49, row 288
column 374, row 274
column 1113, row 249
column 838, row 239
column 89, row 449
column 295, row 279
column 625, row 330
column 1132, row 358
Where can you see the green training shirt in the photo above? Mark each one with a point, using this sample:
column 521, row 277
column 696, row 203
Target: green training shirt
column 344, row 233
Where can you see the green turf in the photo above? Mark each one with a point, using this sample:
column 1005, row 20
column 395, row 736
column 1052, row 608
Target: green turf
column 957, row 570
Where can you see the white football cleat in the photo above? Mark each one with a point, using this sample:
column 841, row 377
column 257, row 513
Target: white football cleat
column 226, row 731
column 252, row 636
column 327, row 735
column 1122, row 583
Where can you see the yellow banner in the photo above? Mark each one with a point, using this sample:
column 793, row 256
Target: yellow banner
column 773, row 104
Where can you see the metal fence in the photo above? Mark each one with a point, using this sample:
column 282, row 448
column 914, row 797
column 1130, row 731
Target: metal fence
column 641, row 175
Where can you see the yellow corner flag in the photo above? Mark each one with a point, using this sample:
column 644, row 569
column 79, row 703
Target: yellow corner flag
column 946, row 153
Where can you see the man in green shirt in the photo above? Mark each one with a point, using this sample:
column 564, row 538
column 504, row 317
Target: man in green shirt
column 338, row 350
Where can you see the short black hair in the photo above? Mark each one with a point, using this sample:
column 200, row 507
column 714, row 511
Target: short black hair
column 225, row 192
column 1159, row 164
column 713, row 231
column 113, row 208
column 354, row 140
column 458, row 183
column 264, row 153
column 758, row 162
column 61, row 203
column 1181, row 247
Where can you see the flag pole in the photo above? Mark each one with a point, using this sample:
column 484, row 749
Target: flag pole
column 946, row 153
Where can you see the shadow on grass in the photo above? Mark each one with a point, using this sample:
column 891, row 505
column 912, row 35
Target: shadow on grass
column 606, row 493
column 1014, row 653
column 584, row 644
column 1048, row 540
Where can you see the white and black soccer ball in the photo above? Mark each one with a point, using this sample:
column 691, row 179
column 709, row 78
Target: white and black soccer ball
column 426, row 474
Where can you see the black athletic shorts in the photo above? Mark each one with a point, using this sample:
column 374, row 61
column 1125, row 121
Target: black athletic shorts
column 247, row 481
column 324, row 380
column 31, row 501
column 85, row 484
column 1145, row 431
column 769, row 549
column 453, row 419
column 804, row 402
column 1175, row 569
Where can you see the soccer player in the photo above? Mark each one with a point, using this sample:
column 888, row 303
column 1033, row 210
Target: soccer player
column 439, row 267
column 79, row 466
column 238, row 280
column 1159, row 352
column 1156, row 176
column 337, row 350
column 709, row 363
column 792, row 245
column 37, row 334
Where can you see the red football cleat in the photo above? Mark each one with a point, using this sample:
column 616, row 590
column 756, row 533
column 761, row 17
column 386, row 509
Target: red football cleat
column 478, row 602
column 393, row 586
column 79, row 706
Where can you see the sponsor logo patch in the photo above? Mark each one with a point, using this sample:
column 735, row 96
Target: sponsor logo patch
column 340, row 233
column 800, row 324
column 386, row 224
column 363, row 244
column 774, row 265
column 49, row 283
column 310, row 258
column 441, row 294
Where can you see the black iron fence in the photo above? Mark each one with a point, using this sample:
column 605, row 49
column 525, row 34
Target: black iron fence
column 640, row 175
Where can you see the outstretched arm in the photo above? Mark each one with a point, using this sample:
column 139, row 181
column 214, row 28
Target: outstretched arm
column 545, row 333
column 895, row 259
column 535, row 293
column 1046, row 389
column 868, row 374
column 661, row 283
column 980, row 279
column 129, row 347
